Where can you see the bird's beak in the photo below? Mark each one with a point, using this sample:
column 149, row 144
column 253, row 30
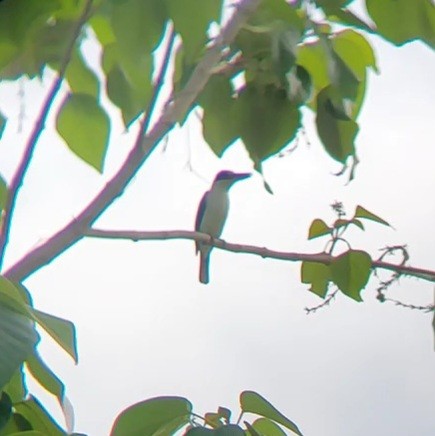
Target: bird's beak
column 241, row 176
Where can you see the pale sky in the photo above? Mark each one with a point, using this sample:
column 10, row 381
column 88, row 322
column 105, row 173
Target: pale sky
column 146, row 326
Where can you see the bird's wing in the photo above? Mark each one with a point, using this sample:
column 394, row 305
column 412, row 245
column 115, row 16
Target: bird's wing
column 200, row 214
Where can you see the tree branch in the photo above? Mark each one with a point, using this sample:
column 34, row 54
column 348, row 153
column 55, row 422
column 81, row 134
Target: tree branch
column 173, row 112
column 250, row 249
column 18, row 177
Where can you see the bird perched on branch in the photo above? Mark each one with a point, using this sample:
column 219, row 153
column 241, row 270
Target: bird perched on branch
column 212, row 214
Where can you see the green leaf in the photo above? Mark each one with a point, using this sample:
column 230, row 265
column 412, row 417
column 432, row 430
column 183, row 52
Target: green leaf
column 342, row 223
column 337, row 135
column 401, row 21
column 80, row 77
column 102, row 27
column 21, row 22
column 225, row 414
column 268, row 121
column 317, row 275
column 361, row 212
column 15, row 387
column 341, row 76
column 3, row 193
column 38, row 417
column 225, row 430
column 128, row 82
column 18, row 425
column 18, row 338
column 348, row 18
column 61, row 330
column 351, row 272
column 355, row 51
column 318, row 228
column 219, row 122
column 357, row 223
column 45, row 376
column 267, row 427
column 312, row 58
column 12, row 296
column 137, row 26
column 5, row 409
column 191, row 20
column 252, row 402
column 149, row 417
column 85, row 127
column 28, row 433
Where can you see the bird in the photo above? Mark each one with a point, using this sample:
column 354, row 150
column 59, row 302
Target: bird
column 212, row 214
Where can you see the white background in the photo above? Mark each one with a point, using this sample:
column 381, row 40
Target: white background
column 146, row 327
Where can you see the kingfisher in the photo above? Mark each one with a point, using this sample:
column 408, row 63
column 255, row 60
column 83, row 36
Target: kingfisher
column 212, row 214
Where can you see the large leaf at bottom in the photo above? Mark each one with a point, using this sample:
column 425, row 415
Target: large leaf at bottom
column 38, row 417
column 18, row 338
column 152, row 416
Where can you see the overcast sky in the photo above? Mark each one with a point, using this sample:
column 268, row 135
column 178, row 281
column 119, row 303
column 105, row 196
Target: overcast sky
column 147, row 327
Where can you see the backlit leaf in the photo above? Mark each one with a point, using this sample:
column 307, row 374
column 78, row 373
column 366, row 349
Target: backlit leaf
column 61, row 330
column 318, row 228
column 361, row 212
column 15, row 387
column 355, row 50
column 401, row 21
column 18, row 338
column 80, row 77
column 351, row 272
column 268, row 121
column 128, row 81
column 137, row 26
column 85, row 127
column 254, row 403
column 149, row 417
column 38, row 417
column 267, row 427
column 45, row 376
column 337, row 135
column 191, row 19
column 219, row 122
column 225, row 430
column 317, row 275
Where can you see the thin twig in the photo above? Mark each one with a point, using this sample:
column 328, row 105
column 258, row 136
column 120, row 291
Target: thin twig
column 428, row 308
column 323, row 258
column 18, row 177
column 326, row 302
column 172, row 113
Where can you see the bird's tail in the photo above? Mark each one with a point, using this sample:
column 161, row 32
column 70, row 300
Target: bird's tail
column 204, row 262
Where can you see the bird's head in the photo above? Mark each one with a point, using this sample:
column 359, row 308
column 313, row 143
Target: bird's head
column 230, row 177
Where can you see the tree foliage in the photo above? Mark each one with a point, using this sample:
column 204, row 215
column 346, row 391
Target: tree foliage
column 249, row 76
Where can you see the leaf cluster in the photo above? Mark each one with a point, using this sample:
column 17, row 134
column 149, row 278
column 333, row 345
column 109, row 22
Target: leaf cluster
column 350, row 270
